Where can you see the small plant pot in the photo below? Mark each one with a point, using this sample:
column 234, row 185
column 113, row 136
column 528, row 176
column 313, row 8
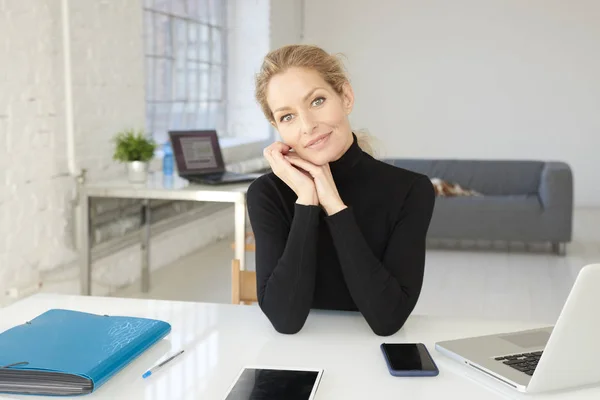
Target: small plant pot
column 137, row 171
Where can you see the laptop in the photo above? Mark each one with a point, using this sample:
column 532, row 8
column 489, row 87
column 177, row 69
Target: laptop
column 199, row 158
column 564, row 356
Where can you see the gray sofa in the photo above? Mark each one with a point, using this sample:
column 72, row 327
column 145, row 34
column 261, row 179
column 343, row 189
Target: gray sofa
column 523, row 201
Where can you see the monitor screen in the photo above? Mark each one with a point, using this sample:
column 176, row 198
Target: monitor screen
column 197, row 152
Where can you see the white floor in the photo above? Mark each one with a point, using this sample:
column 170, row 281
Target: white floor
column 486, row 280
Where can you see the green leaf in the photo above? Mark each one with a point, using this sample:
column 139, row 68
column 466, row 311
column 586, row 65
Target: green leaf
column 133, row 146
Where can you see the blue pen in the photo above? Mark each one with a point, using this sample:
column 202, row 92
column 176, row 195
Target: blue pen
column 154, row 369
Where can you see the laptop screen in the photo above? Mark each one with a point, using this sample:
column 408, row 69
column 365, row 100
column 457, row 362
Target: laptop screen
column 197, row 152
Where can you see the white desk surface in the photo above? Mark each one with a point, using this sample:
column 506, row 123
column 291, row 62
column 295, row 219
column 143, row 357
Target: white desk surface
column 166, row 188
column 220, row 339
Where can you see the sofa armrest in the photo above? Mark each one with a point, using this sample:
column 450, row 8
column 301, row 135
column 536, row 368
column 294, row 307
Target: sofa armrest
column 556, row 187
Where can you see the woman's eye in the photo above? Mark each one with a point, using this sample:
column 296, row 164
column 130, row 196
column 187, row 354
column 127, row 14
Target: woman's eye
column 318, row 101
column 285, row 118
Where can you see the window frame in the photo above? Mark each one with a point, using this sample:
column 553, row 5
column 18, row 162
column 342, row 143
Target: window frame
column 163, row 98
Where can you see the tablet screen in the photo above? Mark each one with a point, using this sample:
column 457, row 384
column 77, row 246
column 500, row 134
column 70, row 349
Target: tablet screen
column 269, row 384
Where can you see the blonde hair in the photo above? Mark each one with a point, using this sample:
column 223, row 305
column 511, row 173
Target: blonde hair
column 327, row 65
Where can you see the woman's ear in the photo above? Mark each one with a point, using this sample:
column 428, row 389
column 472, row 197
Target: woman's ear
column 347, row 97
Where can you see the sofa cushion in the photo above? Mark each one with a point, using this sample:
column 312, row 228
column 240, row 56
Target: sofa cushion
column 509, row 204
column 513, row 217
column 488, row 177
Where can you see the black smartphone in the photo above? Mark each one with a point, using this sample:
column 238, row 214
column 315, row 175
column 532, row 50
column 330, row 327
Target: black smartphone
column 409, row 359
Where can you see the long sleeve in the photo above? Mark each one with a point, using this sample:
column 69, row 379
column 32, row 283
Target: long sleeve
column 386, row 291
column 285, row 256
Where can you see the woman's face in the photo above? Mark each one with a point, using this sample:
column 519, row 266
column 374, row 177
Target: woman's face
column 310, row 116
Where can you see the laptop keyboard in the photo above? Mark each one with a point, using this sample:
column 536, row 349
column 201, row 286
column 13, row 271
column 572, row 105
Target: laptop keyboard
column 204, row 178
column 525, row 362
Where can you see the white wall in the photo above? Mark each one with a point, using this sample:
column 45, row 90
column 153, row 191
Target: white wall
column 255, row 27
column 108, row 78
column 34, row 184
column 248, row 42
column 473, row 79
column 285, row 22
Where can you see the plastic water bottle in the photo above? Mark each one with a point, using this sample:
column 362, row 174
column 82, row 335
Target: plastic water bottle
column 167, row 159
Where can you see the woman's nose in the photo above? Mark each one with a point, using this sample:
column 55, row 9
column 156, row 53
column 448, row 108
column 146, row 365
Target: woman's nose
column 308, row 124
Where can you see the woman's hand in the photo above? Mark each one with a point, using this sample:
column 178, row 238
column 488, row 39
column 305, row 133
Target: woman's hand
column 300, row 182
column 327, row 192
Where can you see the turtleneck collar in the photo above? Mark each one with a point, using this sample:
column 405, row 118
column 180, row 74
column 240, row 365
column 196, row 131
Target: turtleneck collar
column 349, row 159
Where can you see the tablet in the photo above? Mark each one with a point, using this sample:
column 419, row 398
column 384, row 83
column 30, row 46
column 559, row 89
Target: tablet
column 262, row 383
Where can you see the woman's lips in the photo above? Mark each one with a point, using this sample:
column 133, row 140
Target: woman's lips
column 319, row 142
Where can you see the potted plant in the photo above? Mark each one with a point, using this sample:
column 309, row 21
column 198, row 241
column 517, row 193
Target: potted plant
column 135, row 149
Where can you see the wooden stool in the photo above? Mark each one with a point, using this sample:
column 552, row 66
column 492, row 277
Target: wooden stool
column 243, row 285
column 250, row 245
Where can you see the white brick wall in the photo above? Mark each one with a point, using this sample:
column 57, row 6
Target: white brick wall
column 108, row 95
column 34, row 186
column 108, row 78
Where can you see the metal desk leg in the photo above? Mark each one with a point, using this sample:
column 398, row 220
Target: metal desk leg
column 240, row 231
column 85, row 273
column 145, row 245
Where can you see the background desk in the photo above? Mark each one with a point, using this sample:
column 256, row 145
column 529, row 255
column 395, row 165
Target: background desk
column 220, row 339
column 159, row 189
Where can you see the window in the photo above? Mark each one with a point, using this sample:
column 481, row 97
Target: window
column 185, row 48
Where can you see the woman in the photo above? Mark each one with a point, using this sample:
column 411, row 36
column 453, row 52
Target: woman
column 334, row 227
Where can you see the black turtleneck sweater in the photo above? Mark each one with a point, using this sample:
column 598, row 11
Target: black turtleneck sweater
column 368, row 257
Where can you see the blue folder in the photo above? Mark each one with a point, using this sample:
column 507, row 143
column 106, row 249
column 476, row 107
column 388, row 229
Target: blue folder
column 64, row 352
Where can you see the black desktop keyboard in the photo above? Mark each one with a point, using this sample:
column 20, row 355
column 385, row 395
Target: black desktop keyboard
column 526, row 362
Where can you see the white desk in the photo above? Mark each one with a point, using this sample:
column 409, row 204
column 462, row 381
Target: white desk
column 159, row 188
column 219, row 339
